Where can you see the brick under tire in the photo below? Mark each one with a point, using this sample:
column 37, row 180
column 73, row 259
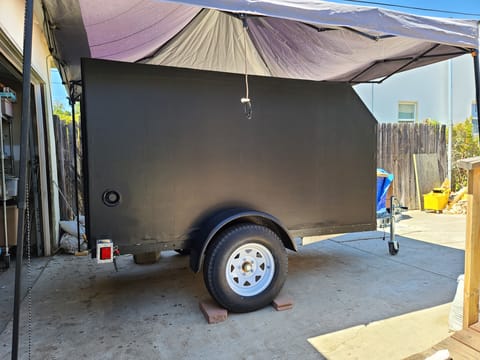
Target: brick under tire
column 245, row 268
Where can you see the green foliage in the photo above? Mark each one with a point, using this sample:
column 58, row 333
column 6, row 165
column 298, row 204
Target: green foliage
column 64, row 114
column 430, row 121
column 464, row 145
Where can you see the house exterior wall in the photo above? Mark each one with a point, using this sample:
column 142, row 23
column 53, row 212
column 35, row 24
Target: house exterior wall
column 428, row 87
column 11, row 23
column 11, row 47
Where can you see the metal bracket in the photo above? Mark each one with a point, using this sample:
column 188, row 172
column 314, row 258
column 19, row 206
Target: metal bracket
column 74, row 96
column 243, row 17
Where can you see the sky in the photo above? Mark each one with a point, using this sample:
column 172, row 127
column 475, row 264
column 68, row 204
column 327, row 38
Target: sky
column 461, row 9
column 59, row 94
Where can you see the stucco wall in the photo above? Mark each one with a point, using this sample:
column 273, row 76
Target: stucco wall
column 11, row 23
column 428, row 86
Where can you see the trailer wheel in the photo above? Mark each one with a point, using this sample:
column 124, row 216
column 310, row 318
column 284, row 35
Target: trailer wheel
column 393, row 247
column 245, row 268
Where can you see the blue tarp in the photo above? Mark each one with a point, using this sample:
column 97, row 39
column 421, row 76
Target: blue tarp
column 384, row 180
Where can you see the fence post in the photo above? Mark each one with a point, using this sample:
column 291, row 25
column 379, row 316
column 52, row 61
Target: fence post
column 472, row 242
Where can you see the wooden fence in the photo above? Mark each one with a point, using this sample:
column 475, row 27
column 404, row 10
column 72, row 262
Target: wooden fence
column 66, row 169
column 395, row 148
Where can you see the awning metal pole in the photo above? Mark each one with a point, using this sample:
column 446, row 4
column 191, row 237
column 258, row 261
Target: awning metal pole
column 4, row 188
column 476, row 67
column 75, row 160
column 450, row 121
column 25, row 128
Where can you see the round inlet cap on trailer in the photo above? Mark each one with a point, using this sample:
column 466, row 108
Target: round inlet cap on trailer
column 111, row 198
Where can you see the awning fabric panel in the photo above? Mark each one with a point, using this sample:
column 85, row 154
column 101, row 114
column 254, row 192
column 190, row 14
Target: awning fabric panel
column 441, row 30
column 293, row 49
column 69, row 42
column 130, row 30
column 303, row 39
column 213, row 41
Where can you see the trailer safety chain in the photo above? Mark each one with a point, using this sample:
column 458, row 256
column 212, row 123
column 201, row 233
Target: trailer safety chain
column 29, row 268
column 246, row 100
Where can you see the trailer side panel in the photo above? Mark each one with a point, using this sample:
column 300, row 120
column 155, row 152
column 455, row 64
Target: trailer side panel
column 175, row 144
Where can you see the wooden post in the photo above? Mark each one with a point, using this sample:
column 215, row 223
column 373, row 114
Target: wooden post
column 472, row 244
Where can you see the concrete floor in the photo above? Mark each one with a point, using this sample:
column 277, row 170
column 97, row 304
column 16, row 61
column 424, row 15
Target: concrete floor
column 84, row 310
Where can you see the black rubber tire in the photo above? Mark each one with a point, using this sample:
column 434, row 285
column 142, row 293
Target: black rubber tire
column 392, row 250
column 216, row 259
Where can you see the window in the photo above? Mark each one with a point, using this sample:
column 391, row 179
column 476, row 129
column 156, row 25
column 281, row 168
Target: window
column 407, row 111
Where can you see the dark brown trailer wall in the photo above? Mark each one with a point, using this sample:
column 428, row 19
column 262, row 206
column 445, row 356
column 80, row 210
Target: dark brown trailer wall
column 175, row 144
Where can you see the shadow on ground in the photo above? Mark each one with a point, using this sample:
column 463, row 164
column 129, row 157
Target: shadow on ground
column 85, row 310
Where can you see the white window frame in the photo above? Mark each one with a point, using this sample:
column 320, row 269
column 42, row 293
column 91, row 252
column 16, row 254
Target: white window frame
column 415, row 104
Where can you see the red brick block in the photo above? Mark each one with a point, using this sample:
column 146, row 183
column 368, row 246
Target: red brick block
column 282, row 302
column 146, row 258
column 213, row 312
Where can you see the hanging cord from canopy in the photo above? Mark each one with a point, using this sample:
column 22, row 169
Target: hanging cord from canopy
column 246, row 100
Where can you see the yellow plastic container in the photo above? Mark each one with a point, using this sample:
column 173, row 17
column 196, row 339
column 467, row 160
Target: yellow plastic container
column 436, row 200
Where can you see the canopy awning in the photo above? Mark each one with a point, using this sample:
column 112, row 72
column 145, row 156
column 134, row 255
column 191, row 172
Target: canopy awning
column 302, row 39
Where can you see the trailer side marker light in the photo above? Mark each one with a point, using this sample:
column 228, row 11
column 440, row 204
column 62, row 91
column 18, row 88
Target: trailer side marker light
column 105, row 253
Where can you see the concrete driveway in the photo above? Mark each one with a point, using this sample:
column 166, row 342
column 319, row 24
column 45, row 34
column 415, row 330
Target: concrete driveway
column 84, row 310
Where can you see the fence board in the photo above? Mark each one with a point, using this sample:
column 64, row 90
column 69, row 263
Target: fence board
column 396, row 145
column 65, row 166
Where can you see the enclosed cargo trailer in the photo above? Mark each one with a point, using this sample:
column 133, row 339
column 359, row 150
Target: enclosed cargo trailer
column 171, row 161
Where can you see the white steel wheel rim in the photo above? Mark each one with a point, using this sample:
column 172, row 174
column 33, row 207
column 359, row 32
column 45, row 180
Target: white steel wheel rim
column 250, row 269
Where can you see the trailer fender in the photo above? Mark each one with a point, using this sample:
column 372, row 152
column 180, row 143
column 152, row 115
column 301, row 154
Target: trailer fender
column 220, row 221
